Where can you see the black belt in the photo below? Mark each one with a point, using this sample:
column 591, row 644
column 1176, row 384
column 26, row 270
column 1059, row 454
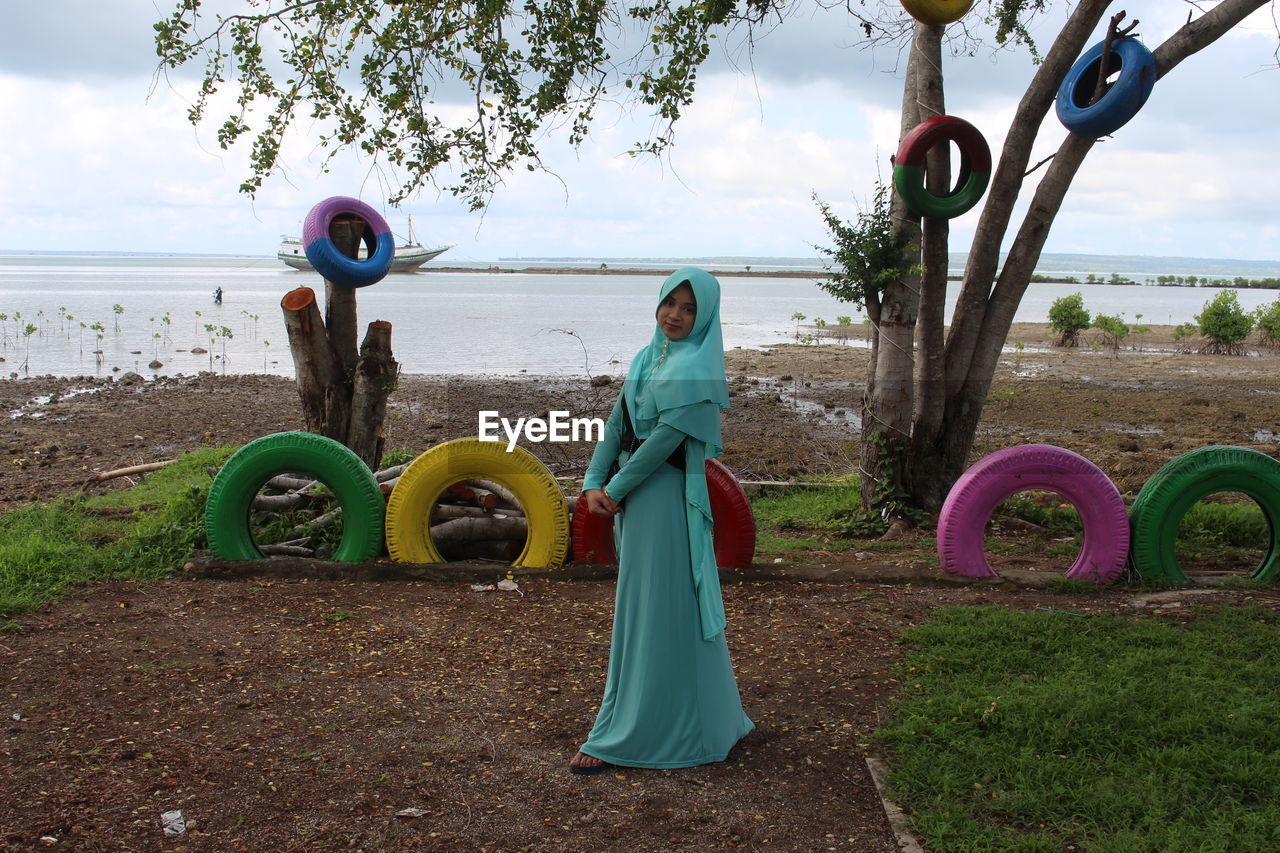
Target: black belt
column 631, row 442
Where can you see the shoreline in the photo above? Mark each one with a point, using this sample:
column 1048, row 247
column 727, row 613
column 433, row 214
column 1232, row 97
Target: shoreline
column 794, row 415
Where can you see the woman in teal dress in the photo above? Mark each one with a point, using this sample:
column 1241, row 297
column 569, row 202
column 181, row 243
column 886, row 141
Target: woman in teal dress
column 670, row 698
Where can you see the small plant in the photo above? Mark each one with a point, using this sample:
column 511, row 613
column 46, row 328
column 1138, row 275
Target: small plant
column 869, row 253
column 799, row 318
column 337, row 616
column 1183, row 334
column 845, row 323
column 1068, row 317
column 1114, row 330
column 117, row 309
column 1267, row 319
column 1225, row 323
column 27, row 332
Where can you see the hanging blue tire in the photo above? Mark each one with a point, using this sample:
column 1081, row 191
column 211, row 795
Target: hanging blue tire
column 1119, row 102
column 380, row 246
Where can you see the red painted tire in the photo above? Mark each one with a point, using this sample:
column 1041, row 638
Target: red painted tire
column 963, row 520
column 733, row 533
column 975, row 166
column 591, row 537
column 380, row 246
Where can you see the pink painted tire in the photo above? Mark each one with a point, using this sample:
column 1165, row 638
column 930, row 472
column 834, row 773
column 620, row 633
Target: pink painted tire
column 963, row 520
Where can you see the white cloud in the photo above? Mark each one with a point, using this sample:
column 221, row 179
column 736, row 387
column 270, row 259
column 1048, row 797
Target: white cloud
column 98, row 166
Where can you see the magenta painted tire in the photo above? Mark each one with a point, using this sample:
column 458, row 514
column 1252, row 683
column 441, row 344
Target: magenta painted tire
column 380, row 246
column 963, row 520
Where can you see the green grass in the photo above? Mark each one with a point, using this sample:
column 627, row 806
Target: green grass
column 795, row 520
column 142, row 532
column 1048, row 731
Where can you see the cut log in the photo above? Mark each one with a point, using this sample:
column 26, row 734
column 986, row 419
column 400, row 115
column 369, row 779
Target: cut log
column 309, row 527
column 375, row 378
column 390, row 473
column 476, row 529
column 314, row 366
column 286, row 550
column 505, row 496
column 282, row 503
column 388, row 486
column 128, row 472
column 285, row 483
column 446, row 512
column 479, row 497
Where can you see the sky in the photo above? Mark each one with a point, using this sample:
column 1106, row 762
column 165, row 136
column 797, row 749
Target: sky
column 99, row 155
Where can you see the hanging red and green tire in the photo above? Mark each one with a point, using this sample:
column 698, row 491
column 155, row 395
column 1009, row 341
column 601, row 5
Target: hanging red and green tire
column 937, row 12
column 1175, row 488
column 1120, row 101
column 975, row 167
column 226, row 514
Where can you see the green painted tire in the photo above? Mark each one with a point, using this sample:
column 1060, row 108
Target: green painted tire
column 1175, row 488
column 226, row 513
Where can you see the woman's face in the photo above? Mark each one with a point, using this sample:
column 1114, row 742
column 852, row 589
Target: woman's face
column 677, row 313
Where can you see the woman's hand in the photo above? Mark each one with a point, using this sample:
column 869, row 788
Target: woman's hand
column 598, row 503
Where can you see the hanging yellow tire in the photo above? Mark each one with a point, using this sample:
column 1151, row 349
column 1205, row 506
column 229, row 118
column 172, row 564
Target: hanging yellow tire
column 409, row 507
column 935, row 12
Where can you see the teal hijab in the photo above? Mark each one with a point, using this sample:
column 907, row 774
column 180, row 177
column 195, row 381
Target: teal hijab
column 682, row 384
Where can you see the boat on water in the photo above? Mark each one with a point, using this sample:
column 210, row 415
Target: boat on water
column 409, row 256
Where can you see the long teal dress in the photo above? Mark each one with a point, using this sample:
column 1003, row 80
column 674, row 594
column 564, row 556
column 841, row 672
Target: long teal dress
column 670, row 698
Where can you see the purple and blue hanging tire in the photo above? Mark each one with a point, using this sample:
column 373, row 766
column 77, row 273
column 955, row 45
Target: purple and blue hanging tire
column 380, row 247
column 963, row 520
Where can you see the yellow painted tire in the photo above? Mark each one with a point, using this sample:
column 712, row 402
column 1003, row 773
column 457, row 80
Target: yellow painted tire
column 409, row 507
column 935, row 12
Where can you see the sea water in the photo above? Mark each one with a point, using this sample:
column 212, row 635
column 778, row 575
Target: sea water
column 161, row 309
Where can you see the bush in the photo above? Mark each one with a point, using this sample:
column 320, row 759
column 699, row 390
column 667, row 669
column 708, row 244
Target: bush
column 1068, row 318
column 1225, row 323
column 1114, row 330
column 1182, row 335
column 1267, row 319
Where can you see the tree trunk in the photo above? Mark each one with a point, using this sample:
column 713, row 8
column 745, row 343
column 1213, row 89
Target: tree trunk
column 930, row 373
column 889, row 402
column 375, row 378
column 940, row 444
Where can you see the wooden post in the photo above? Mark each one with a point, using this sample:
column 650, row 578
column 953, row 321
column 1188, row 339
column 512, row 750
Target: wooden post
column 340, row 302
column 312, row 357
column 375, row 378
column 344, row 390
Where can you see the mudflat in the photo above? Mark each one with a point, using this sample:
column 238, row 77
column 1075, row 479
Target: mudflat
column 292, row 715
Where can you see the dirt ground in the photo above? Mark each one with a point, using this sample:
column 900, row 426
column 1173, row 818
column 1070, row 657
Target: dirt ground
column 320, row 715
